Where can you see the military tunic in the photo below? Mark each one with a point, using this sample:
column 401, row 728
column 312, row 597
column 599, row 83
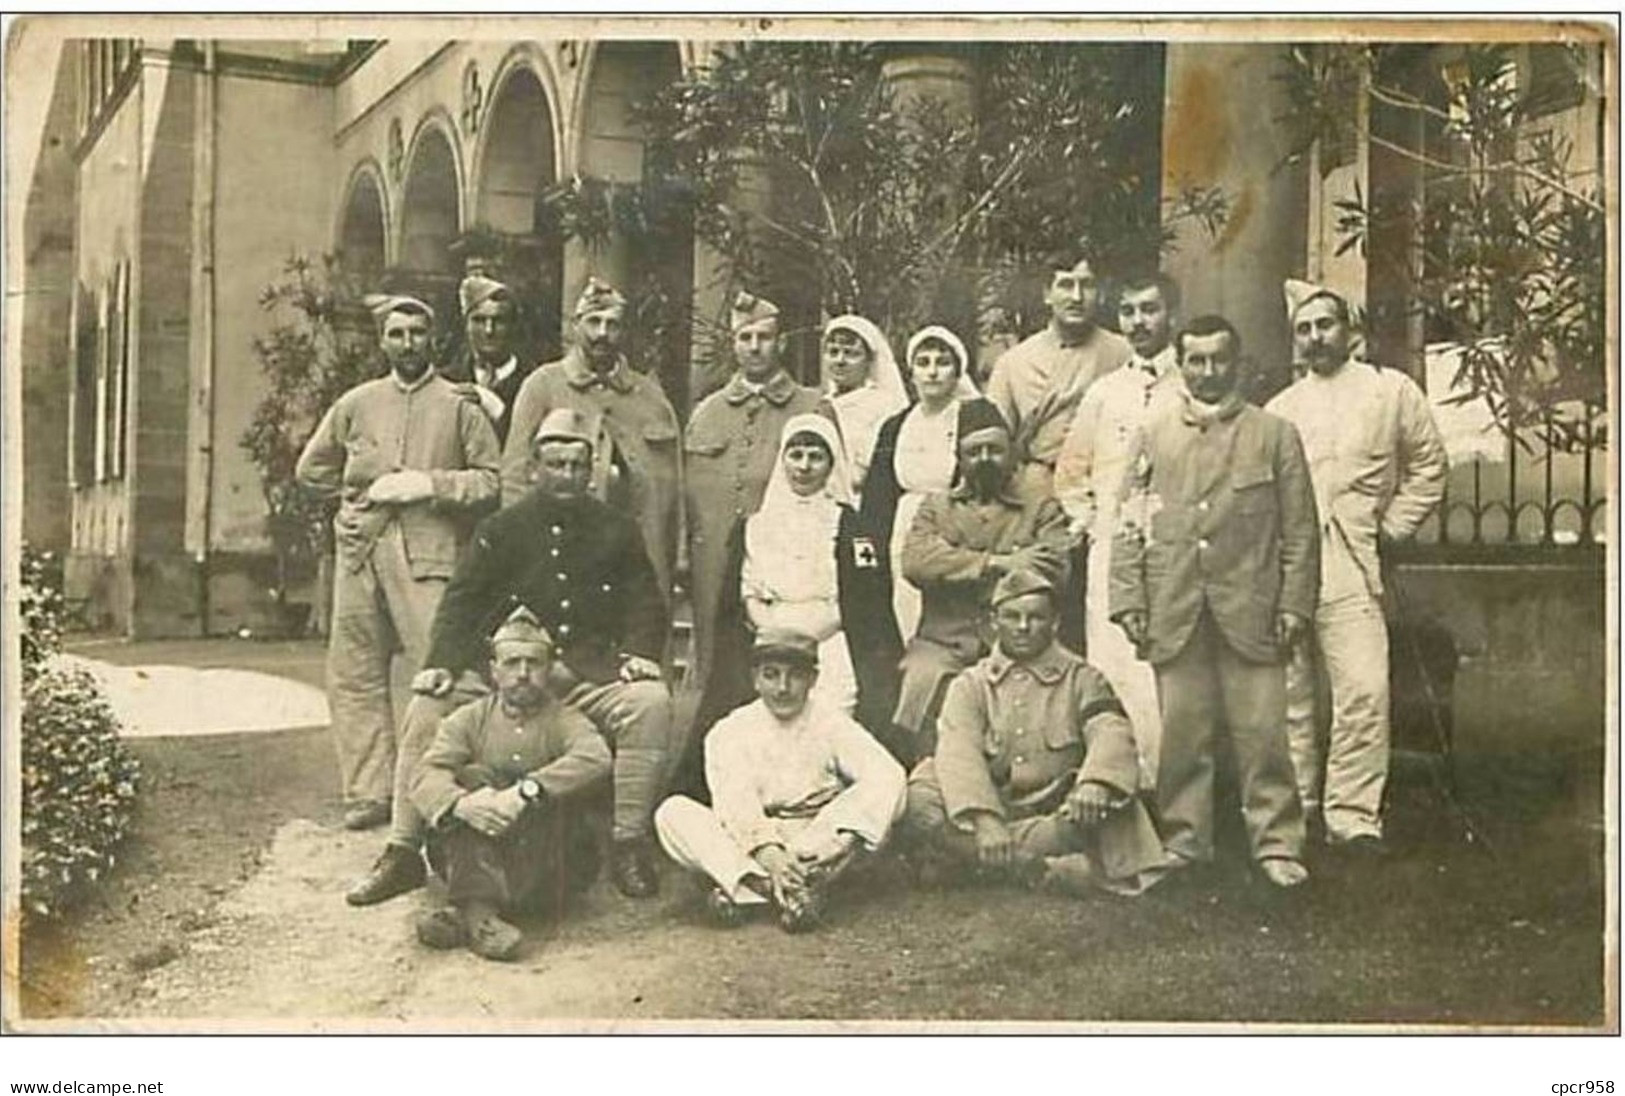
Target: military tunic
column 392, row 562
column 729, row 451
column 481, row 745
column 1013, row 740
column 643, row 474
column 580, row 567
column 947, row 554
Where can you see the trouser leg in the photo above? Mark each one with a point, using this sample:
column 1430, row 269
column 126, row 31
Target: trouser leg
column 1354, row 642
column 418, row 726
column 1254, row 706
column 635, row 718
column 1188, row 691
column 1302, row 726
column 692, row 835
column 411, row 604
column 1131, row 677
column 360, row 643
column 525, row 868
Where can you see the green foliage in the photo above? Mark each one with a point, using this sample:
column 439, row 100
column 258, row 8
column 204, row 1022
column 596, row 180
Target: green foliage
column 41, row 609
column 78, row 779
column 809, row 177
column 1511, row 256
column 321, row 346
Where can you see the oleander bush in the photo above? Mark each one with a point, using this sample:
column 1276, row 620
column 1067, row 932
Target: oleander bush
column 78, row 778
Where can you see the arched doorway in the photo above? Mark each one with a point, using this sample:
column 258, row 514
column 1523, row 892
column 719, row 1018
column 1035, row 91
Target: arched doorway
column 656, row 272
column 361, row 245
column 512, row 234
column 427, row 261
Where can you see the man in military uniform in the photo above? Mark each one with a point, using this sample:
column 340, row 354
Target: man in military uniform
column 490, row 326
column 503, row 786
column 1215, row 566
column 635, row 460
column 961, row 542
column 413, row 463
column 1035, row 768
column 729, row 452
column 580, row 566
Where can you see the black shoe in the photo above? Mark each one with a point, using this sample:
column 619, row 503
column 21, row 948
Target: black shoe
column 633, row 869
column 801, row 909
column 724, row 911
column 1365, row 846
column 397, row 871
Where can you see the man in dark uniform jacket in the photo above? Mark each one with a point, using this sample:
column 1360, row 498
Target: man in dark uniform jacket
column 580, row 566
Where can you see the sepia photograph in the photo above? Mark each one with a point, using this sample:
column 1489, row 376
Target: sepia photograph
column 744, row 523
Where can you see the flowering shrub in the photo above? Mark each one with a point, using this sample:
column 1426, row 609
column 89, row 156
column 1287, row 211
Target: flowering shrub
column 78, row 778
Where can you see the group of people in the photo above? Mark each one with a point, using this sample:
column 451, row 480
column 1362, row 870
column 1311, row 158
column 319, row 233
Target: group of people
column 1012, row 633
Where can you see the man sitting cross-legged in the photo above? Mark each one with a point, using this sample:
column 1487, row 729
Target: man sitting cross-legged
column 503, row 787
column 1035, row 769
column 798, row 788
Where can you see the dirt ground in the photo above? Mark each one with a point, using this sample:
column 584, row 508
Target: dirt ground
column 228, row 905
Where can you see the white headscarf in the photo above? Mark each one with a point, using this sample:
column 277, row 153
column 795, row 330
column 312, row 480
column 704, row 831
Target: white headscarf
column 838, row 487
column 967, row 389
column 883, row 371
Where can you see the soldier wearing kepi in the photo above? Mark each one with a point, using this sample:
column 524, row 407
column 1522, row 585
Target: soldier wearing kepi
column 413, row 463
column 580, row 567
column 729, row 453
column 1378, row 466
column 503, row 785
column 490, row 323
column 1034, row 768
column 1214, row 571
column 635, row 461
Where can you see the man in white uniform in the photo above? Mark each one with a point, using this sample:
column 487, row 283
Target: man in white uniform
column 1378, row 468
column 1087, row 476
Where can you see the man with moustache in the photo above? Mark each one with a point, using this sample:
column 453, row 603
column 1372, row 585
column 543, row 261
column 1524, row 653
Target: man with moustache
column 1038, row 383
column 505, row 784
column 413, row 463
column 729, row 451
column 990, row 523
column 1214, row 570
column 580, row 567
column 1034, row 770
column 490, row 323
column 635, row 461
column 1087, row 476
column 1378, row 466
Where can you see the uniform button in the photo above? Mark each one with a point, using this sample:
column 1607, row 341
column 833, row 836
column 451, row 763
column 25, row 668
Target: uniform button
column 1202, row 506
column 554, row 552
column 562, row 577
column 1020, row 760
column 564, row 630
column 606, row 587
column 564, row 603
column 556, row 530
column 516, row 757
column 1202, row 543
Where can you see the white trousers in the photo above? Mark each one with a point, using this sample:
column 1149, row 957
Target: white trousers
column 1110, row 652
column 1351, row 641
column 906, row 601
column 692, row 835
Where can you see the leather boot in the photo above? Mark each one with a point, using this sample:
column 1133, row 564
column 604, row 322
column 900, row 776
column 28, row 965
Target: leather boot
column 397, row 871
column 633, row 869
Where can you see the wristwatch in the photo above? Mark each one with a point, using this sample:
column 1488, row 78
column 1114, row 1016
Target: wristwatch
column 529, row 790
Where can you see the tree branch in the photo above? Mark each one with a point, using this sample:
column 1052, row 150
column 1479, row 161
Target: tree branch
column 1503, row 166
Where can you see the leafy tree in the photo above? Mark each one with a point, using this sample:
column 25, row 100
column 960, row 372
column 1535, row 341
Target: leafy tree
column 804, row 170
column 1511, row 255
column 320, row 347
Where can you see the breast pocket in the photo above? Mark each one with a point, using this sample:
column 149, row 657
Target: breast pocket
column 704, row 447
column 1254, row 489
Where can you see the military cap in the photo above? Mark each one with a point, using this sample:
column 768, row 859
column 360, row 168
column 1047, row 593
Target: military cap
column 382, row 304
column 521, row 626
column 1021, row 581
column 567, row 424
column 749, row 309
column 598, row 296
column 980, row 414
column 476, row 289
column 785, row 644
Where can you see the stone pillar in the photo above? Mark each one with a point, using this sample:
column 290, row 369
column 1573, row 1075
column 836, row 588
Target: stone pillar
column 1219, row 131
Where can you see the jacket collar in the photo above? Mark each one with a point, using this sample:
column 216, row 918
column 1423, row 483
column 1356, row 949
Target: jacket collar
column 413, row 386
column 1049, row 666
column 582, row 376
column 777, row 389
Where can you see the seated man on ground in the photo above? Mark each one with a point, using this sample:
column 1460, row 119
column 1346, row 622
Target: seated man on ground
column 798, row 789
column 504, row 787
column 1035, row 769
